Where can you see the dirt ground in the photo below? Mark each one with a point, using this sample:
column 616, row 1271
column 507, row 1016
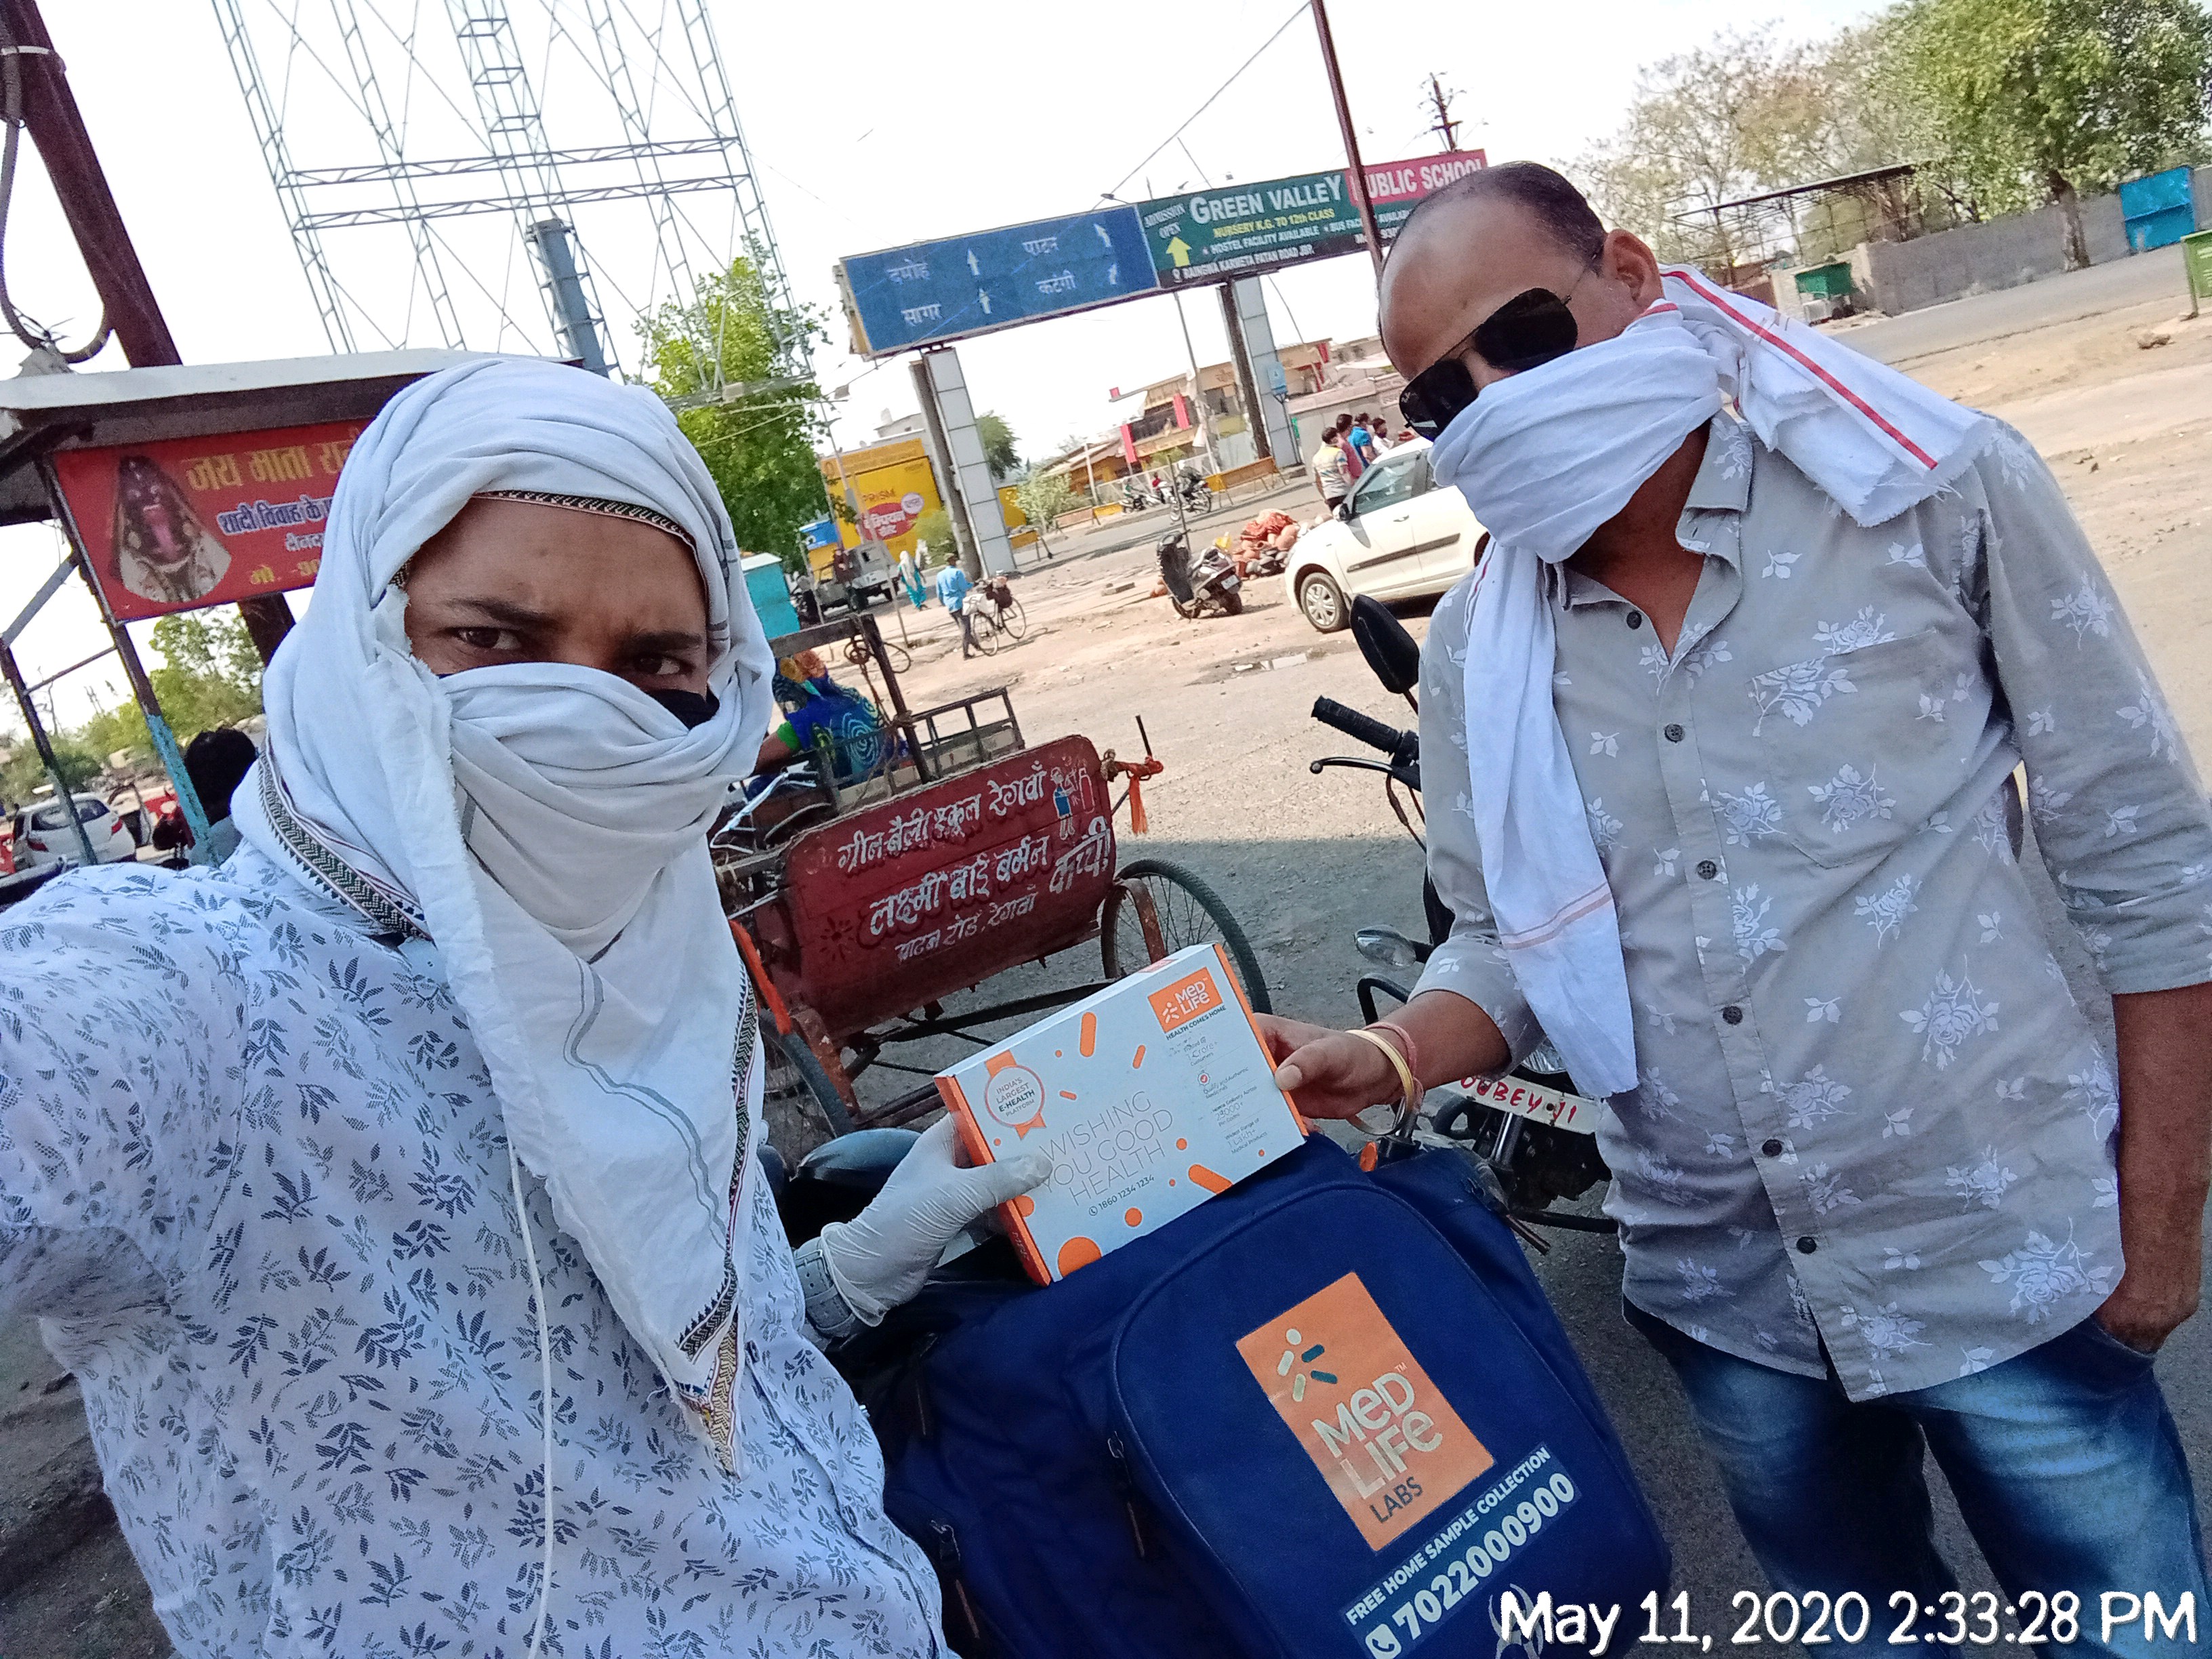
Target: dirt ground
column 1303, row 859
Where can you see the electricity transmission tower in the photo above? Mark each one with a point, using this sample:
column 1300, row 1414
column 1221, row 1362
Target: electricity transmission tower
column 435, row 157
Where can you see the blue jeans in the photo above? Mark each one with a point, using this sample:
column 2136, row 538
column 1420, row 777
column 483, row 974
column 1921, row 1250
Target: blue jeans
column 2064, row 1460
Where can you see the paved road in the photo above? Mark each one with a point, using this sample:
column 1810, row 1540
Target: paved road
column 2135, row 281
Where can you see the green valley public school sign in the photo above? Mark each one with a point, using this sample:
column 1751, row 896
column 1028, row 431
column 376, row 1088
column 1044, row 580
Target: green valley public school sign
column 1202, row 238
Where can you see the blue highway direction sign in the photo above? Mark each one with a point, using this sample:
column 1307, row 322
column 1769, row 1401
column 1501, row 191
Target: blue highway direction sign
column 930, row 292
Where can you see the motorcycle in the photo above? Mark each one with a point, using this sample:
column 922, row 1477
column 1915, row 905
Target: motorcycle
column 1197, row 495
column 1135, row 498
column 1211, row 586
column 1530, row 1128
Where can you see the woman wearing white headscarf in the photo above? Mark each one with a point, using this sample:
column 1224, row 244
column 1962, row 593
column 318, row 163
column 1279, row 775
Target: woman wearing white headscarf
column 330, row 1167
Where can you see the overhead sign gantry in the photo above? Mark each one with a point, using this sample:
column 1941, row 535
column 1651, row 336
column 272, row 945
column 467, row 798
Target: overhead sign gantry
column 932, row 292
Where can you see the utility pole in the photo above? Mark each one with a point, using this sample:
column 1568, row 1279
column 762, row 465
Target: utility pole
column 57, row 127
column 1444, row 126
column 1197, row 392
column 1355, row 169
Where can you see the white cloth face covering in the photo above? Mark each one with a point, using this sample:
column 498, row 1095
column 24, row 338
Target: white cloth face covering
column 546, row 824
column 1547, row 456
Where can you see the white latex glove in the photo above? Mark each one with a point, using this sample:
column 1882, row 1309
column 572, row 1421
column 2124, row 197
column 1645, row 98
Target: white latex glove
column 881, row 1256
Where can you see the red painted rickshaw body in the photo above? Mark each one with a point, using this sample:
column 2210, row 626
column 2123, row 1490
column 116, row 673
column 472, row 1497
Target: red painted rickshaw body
column 937, row 889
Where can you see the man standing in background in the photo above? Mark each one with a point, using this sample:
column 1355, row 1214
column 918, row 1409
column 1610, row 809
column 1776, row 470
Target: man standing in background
column 953, row 588
column 1331, row 476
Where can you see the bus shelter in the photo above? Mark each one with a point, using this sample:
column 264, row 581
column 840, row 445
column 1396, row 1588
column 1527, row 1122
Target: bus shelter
column 176, row 488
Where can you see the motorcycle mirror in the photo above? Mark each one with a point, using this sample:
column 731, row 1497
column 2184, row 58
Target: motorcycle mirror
column 1387, row 947
column 1389, row 649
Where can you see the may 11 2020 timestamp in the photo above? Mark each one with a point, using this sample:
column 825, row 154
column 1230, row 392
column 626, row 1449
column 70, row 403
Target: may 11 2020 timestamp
column 1814, row 1617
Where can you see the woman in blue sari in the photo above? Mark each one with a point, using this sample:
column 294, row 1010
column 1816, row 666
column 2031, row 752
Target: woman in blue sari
column 817, row 712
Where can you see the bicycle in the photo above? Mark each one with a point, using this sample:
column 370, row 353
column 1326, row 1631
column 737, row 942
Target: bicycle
column 1008, row 608
column 895, row 656
column 985, row 631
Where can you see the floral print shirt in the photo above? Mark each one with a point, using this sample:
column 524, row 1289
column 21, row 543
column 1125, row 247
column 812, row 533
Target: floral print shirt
column 253, row 1178
column 1870, row 1115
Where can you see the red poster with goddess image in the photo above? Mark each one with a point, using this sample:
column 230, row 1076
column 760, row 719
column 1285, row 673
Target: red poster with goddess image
column 190, row 522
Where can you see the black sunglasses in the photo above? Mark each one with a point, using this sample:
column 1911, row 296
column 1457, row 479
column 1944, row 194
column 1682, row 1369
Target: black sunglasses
column 1527, row 332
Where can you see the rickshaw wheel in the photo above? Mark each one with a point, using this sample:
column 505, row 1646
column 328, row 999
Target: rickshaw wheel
column 799, row 1098
column 1184, row 911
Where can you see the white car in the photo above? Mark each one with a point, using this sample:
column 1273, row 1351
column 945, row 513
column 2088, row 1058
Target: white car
column 1397, row 537
column 43, row 834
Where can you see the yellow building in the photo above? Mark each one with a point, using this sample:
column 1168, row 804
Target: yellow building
column 895, row 485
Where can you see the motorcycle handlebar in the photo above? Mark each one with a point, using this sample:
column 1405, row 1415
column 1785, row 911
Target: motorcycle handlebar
column 1361, row 728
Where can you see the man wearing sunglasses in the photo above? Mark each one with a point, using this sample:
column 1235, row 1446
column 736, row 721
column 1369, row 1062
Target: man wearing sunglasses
column 1723, row 734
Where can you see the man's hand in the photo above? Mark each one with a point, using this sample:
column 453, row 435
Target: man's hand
column 2148, row 1306
column 1327, row 1073
column 1331, row 1074
column 2165, row 1163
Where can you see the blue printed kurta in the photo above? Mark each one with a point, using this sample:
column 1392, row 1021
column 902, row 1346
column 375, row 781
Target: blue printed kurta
column 253, row 1178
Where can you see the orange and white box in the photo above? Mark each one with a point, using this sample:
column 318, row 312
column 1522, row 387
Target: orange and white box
column 1151, row 1096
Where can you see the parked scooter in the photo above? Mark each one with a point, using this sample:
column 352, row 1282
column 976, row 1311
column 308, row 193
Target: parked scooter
column 1211, row 587
column 1535, row 1160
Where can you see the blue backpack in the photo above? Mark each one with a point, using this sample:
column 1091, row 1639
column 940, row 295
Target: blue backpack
column 1328, row 1413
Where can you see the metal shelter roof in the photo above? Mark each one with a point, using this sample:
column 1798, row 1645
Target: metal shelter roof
column 1842, row 182
column 40, row 414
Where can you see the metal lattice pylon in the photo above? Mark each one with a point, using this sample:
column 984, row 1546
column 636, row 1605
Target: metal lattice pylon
column 522, row 130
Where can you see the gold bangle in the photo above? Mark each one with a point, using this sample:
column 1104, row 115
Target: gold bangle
column 1409, row 1086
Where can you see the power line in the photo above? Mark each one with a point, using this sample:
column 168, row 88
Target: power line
column 1114, row 195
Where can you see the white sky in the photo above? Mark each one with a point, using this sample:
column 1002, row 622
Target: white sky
column 872, row 125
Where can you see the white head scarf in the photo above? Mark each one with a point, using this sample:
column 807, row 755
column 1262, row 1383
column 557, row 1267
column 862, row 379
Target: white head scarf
column 1546, row 457
column 545, row 825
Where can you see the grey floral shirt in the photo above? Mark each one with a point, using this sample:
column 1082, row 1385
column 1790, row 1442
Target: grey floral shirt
column 253, row 1177
column 1870, row 1115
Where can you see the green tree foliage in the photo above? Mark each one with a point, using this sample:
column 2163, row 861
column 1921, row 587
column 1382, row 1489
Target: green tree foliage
column 25, row 775
column 210, row 675
column 935, row 527
column 998, row 453
column 761, row 448
column 1743, row 114
column 2000, row 104
column 210, row 672
column 2041, row 99
column 1043, row 496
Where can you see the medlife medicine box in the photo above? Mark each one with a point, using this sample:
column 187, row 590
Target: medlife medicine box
column 1151, row 1096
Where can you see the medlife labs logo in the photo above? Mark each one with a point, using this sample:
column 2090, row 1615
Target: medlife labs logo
column 1383, row 1436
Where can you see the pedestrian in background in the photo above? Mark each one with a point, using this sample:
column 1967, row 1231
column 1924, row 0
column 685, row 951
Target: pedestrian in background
column 1362, row 440
column 1331, row 477
column 952, row 590
column 1354, row 462
column 1731, row 715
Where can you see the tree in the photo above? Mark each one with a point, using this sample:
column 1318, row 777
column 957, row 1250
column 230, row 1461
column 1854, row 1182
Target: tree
column 935, row 527
column 210, row 676
column 759, row 449
column 998, row 447
column 1741, row 115
column 1042, row 497
column 2040, row 100
column 24, row 774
